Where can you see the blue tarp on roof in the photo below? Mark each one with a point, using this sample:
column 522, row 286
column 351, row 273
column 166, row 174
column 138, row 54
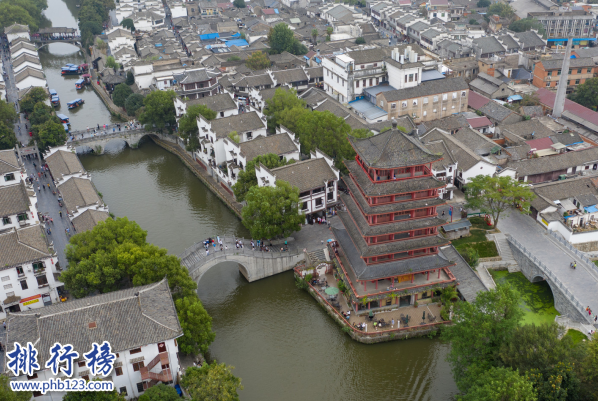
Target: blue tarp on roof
column 591, row 209
column 236, row 35
column 237, row 42
column 512, row 98
column 209, row 36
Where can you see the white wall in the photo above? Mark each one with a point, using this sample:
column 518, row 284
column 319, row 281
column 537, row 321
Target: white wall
column 31, row 81
column 480, row 168
column 13, row 36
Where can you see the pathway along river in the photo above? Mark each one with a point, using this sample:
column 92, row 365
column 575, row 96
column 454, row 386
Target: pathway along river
column 282, row 344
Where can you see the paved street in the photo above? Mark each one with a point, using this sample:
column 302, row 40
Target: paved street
column 581, row 282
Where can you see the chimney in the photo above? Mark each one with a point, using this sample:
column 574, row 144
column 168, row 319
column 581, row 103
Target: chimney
column 561, row 92
column 402, row 59
column 394, row 123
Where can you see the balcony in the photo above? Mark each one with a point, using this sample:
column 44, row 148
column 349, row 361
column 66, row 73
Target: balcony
column 164, row 375
column 359, row 73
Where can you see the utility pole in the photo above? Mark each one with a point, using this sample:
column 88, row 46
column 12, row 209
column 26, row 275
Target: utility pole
column 561, row 92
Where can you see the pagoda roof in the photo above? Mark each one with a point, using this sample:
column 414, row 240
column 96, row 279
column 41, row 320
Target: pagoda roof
column 358, row 267
column 369, row 250
column 392, row 149
column 389, row 207
column 390, row 187
column 391, row 227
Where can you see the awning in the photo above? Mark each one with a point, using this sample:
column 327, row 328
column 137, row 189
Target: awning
column 568, row 205
column 11, row 300
column 513, row 98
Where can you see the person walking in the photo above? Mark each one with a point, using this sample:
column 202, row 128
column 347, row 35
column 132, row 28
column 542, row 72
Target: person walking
column 60, row 213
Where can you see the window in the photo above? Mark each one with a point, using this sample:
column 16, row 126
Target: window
column 381, row 103
column 135, row 351
column 304, row 206
column 140, row 387
column 364, row 83
column 434, row 110
column 425, row 113
column 330, row 196
column 362, row 66
column 6, row 220
column 20, row 271
column 579, row 71
column 357, row 84
column 8, row 286
column 377, row 81
column 138, row 365
column 393, row 105
column 6, row 278
column 24, row 285
column 454, row 95
column 9, row 177
column 319, row 202
column 425, row 100
column 123, row 391
column 81, row 364
column 161, row 347
column 371, row 81
column 42, row 281
column 375, row 64
column 589, row 70
column 10, row 294
column 435, row 99
column 38, row 266
column 444, row 96
column 22, row 216
column 410, row 77
column 463, row 94
column 119, row 371
column 577, row 82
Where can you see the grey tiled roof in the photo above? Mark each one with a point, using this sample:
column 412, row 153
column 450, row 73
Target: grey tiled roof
column 478, row 143
column 313, row 96
column 392, row 149
column 560, row 190
column 495, row 111
column 29, row 72
column 89, row 219
column 289, row 76
column 25, row 245
column 402, row 121
column 369, row 56
column 8, row 161
column 254, row 81
column 457, row 150
column 524, row 129
column 530, row 39
column 14, row 199
column 125, row 320
column 240, row 123
column 279, row 144
column 489, row 44
column 509, row 42
column 532, row 111
column 390, row 187
column 216, row 103
column 78, row 192
column 426, row 89
column 548, row 164
column 305, row 175
column 449, row 123
column 552, row 64
column 63, row 163
column 469, row 284
column 201, row 75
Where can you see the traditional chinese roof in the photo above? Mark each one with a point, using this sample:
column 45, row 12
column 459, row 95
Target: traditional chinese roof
column 14, row 199
column 280, row 144
column 307, row 174
column 25, row 245
column 8, row 161
column 78, row 192
column 127, row 319
column 89, row 219
column 392, row 149
column 63, row 163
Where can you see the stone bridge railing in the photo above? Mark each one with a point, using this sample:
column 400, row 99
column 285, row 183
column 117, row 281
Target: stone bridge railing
column 88, row 138
column 581, row 255
column 555, row 283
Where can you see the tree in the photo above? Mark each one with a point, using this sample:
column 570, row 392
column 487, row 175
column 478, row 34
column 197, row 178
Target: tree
column 484, row 3
column 473, row 21
column 283, row 99
column 120, row 94
column 93, row 396
column 133, row 103
column 159, row 110
column 130, row 78
column 496, row 195
column 527, row 24
column 49, row 134
column 361, row 133
column 239, row 3
column 314, row 35
column 589, row 369
column 247, row 178
column 6, row 393
column 586, row 94
column 258, row 61
column 423, row 11
column 111, row 63
column 500, row 384
column 530, row 100
column 281, row 39
column 556, row 383
column 196, row 325
column 128, row 23
column 8, row 115
column 11, row 13
column 41, row 113
column 234, row 58
column 188, row 124
column 8, row 140
column 33, row 97
column 160, row 392
column 478, row 331
column 234, row 136
column 360, row 41
column 272, row 212
column 213, row 382
column 502, row 9
column 101, row 45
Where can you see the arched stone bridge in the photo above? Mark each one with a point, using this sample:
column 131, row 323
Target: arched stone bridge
column 254, row 265
column 534, row 270
column 44, row 42
column 97, row 142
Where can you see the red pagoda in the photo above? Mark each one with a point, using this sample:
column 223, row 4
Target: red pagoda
column 389, row 247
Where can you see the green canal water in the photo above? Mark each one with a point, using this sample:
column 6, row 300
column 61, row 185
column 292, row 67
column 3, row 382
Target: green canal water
column 537, row 301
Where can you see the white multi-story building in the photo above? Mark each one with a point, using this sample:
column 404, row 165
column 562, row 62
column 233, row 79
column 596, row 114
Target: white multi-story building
column 79, row 195
column 10, row 169
column 64, row 164
column 404, row 69
column 223, row 104
column 316, row 178
column 140, row 323
column 18, row 206
column 27, row 275
column 16, row 31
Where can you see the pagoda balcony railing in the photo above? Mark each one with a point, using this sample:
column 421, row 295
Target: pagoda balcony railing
column 398, row 177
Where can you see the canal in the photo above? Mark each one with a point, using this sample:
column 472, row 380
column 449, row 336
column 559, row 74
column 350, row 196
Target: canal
column 280, row 341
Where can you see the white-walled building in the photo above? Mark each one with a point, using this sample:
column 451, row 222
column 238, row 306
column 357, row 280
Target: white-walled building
column 16, row 31
column 10, row 168
column 23, row 47
column 18, row 206
column 64, row 164
column 27, row 272
column 159, row 73
column 223, row 104
column 404, row 69
column 30, row 77
column 79, row 195
column 140, row 323
column 316, row 178
column 118, row 38
column 26, row 60
column 147, row 20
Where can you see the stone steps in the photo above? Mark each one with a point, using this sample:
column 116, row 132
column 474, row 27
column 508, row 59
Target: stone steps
column 504, row 250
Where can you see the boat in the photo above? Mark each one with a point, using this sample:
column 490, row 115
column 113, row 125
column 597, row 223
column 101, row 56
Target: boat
column 87, row 79
column 66, row 127
column 75, row 103
column 83, row 67
column 63, row 119
column 52, row 93
column 79, row 84
column 55, row 100
column 70, row 70
column 71, row 65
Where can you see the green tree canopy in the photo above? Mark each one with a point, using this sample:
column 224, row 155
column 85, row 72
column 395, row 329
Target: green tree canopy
column 478, row 331
column 8, row 115
column 500, row 384
column 272, row 212
column 484, row 3
column 11, row 13
column 188, row 129
column 196, row 325
column 530, row 100
column 128, row 23
column 33, row 97
column 586, row 94
column 234, row 136
column 247, row 179
column 41, row 113
column 6, row 393
column 133, row 103
column 258, row 61
column 93, row 396
column 49, row 134
column 111, row 63
column 527, row 24
column 160, row 392
column 557, row 382
column 120, row 94
column 213, row 382
column 130, row 78
column 159, row 110
column 92, row 14
column 589, row 368
column 360, row 41
column 283, row 100
column 314, row 35
column 239, row 3
column 281, row 39
column 496, row 195
column 8, row 140
column 502, row 9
